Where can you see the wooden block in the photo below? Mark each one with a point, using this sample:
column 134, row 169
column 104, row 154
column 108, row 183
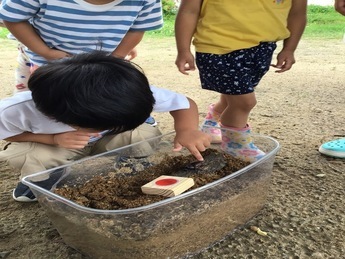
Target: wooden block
column 168, row 186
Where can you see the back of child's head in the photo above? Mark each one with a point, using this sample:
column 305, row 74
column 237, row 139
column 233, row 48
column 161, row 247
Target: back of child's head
column 93, row 90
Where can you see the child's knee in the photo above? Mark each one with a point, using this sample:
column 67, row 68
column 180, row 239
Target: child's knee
column 14, row 154
column 250, row 103
column 11, row 162
column 144, row 132
column 146, row 148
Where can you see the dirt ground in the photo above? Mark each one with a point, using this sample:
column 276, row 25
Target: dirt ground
column 302, row 108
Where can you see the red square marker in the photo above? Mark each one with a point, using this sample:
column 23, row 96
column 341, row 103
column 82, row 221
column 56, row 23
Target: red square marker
column 168, row 186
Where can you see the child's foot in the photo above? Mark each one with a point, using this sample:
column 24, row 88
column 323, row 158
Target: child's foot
column 239, row 143
column 22, row 192
column 210, row 128
column 210, row 125
column 151, row 121
column 334, row 148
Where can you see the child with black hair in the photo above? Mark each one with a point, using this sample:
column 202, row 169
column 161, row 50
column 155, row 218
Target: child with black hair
column 84, row 105
column 54, row 29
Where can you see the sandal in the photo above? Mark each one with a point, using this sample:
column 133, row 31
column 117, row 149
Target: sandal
column 334, row 148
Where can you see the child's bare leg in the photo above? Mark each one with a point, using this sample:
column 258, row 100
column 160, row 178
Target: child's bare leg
column 221, row 105
column 237, row 110
column 236, row 133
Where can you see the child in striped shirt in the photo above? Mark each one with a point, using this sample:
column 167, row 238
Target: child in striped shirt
column 55, row 29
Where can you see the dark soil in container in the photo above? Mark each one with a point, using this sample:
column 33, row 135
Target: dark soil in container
column 121, row 189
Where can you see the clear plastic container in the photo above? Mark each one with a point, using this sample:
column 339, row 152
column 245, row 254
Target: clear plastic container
column 173, row 227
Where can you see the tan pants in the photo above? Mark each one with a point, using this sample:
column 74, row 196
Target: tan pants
column 31, row 157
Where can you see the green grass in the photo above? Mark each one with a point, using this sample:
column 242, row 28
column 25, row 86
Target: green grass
column 166, row 31
column 323, row 23
column 3, row 33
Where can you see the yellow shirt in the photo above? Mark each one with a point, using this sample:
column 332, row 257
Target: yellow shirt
column 228, row 25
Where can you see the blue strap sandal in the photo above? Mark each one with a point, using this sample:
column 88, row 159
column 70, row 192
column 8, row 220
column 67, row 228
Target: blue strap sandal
column 334, row 148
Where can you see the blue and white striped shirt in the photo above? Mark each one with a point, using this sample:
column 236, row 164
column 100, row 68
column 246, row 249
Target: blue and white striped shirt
column 75, row 26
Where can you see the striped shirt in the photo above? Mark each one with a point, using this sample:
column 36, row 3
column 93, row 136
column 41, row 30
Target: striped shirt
column 75, row 26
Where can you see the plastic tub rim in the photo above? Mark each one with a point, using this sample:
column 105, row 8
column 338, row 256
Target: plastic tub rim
column 153, row 205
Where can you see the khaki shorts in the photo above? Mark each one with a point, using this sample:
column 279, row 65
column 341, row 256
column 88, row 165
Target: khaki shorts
column 31, row 157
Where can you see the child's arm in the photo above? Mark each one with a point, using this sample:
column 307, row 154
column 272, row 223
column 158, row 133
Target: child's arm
column 297, row 20
column 187, row 133
column 128, row 43
column 185, row 25
column 72, row 139
column 26, row 34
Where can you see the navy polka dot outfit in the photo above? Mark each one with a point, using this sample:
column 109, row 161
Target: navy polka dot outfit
column 237, row 72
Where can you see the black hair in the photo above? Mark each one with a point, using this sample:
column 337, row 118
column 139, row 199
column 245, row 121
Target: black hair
column 93, row 90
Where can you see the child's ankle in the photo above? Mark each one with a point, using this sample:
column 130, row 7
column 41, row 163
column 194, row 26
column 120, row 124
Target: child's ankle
column 239, row 143
column 243, row 129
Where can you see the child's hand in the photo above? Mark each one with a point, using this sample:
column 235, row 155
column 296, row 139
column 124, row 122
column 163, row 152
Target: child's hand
column 73, row 139
column 285, row 60
column 194, row 140
column 132, row 54
column 185, row 62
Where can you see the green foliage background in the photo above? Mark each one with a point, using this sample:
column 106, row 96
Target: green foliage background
column 324, row 22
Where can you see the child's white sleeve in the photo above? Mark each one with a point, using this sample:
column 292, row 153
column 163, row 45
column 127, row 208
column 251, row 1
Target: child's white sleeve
column 167, row 100
column 19, row 114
